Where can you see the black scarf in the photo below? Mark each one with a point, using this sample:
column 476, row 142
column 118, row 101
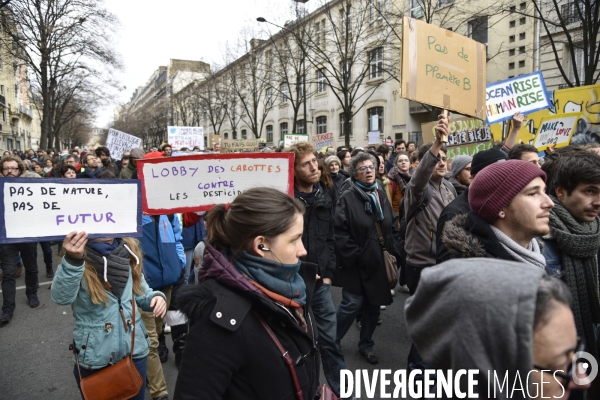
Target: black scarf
column 117, row 263
column 579, row 245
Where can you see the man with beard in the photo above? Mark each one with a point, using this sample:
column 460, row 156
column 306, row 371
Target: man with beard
column 572, row 245
column 319, row 244
column 104, row 155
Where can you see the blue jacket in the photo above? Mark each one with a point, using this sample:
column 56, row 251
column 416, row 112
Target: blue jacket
column 193, row 235
column 164, row 258
column 553, row 257
column 98, row 345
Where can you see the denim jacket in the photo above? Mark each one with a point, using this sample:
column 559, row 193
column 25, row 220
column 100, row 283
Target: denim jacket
column 99, row 333
column 553, row 257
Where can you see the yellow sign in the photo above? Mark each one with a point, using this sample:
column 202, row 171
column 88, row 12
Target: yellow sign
column 442, row 68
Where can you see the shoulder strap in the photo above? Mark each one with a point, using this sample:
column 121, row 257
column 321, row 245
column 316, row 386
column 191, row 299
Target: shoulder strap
column 449, row 186
column 379, row 233
column 286, row 356
column 422, row 206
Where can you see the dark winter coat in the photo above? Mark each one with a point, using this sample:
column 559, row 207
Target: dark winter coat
column 469, row 235
column 109, row 165
column 358, row 251
column 459, row 206
column 89, row 174
column 317, row 236
column 228, row 354
column 338, row 181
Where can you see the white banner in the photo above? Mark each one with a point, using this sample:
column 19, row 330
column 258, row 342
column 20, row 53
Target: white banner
column 42, row 209
column 120, row 142
column 186, row 136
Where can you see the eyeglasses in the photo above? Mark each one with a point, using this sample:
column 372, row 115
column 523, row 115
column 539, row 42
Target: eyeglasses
column 366, row 168
column 569, row 374
column 10, row 169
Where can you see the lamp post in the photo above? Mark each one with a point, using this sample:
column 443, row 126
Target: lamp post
column 303, row 50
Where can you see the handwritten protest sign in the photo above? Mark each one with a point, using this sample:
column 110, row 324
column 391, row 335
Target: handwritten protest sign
column 186, row 136
column 118, row 142
column 35, row 210
column 556, row 130
column 442, row 68
column 322, row 141
column 229, row 146
column 525, row 93
column 289, row 140
column 198, row 182
column 468, row 150
column 463, row 131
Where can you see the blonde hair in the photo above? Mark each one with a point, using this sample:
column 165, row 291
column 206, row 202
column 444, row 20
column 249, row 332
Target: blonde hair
column 97, row 289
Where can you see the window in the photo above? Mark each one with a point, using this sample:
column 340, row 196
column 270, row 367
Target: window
column 346, row 71
column 270, row 133
column 269, row 58
column 283, row 128
column 511, row 52
column 478, row 29
column 321, row 124
column 569, row 11
column 511, row 65
column 323, row 31
column 226, row 136
column 522, row 50
column 244, row 134
column 522, row 21
column 1, row 89
column 284, row 92
column 416, row 10
column 300, row 126
column 321, row 81
column 523, row 6
column 301, row 87
column 521, row 63
column 522, row 36
column 270, row 97
column 376, row 63
column 375, row 119
column 513, row 9
column 512, row 24
column 317, row 35
column 579, row 64
column 443, row 3
column 4, row 116
column 234, row 135
column 375, row 10
column 511, row 38
column 343, row 125
column 9, row 144
column 346, row 20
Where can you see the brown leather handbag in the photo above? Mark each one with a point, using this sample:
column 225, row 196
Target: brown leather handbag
column 391, row 265
column 119, row 381
column 324, row 392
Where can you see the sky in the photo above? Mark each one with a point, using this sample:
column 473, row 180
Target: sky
column 152, row 32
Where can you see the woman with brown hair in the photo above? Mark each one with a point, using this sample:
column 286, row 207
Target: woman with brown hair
column 98, row 278
column 253, row 285
column 399, row 177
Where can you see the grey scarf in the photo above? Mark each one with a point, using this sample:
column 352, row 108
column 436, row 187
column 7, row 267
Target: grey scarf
column 117, row 267
column 579, row 245
column 530, row 255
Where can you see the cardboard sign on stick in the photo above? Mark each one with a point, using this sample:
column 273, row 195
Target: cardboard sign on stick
column 118, row 142
column 525, row 94
column 442, row 68
column 199, row 182
column 229, row 146
column 322, row 141
column 35, row 210
column 186, row 136
column 289, row 140
column 556, row 130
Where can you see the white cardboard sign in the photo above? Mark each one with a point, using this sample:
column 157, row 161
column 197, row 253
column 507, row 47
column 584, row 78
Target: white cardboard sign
column 120, row 142
column 36, row 210
column 556, row 130
column 186, row 136
column 199, row 182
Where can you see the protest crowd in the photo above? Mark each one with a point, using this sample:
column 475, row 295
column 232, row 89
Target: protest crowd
column 498, row 252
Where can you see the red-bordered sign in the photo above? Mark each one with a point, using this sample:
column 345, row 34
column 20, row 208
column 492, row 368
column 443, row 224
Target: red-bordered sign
column 199, row 182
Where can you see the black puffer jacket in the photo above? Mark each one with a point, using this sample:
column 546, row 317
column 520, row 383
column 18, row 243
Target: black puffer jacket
column 228, row 353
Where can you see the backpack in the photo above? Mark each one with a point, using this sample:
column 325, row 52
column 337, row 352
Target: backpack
column 406, row 219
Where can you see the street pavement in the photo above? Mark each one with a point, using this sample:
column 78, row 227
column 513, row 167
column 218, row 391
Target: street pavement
column 35, row 361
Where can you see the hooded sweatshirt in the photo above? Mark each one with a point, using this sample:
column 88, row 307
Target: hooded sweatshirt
column 476, row 314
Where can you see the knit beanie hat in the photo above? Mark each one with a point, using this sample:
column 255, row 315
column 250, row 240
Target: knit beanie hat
column 485, row 158
column 459, row 163
column 496, row 185
column 331, row 159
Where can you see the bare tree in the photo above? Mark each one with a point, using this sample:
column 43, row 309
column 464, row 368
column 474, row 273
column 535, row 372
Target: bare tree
column 57, row 39
column 353, row 54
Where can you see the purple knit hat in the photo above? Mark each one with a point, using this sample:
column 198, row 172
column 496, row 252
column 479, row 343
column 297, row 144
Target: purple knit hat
column 496, row 185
